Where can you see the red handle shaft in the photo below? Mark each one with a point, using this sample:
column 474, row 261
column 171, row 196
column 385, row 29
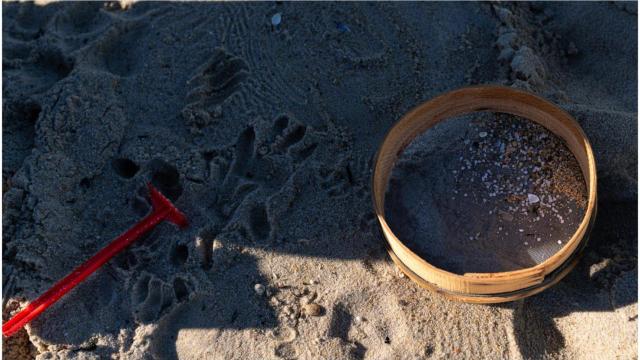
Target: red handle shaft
column 81, row 272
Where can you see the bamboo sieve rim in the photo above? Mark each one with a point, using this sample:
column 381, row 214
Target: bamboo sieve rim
column 551, row 279
column 493, row 98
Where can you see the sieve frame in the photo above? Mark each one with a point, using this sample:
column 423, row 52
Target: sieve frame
column 498, row 286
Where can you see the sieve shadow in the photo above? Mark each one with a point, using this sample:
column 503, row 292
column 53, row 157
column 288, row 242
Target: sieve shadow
column 595, row 285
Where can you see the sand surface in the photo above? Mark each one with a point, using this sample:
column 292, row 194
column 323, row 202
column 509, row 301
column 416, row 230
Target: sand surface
column 498, row 191
column 263, row 135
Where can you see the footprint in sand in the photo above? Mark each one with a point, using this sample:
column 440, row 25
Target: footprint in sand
column 288, row 137
column 19, row 133
column 215, row 81
column 152, row 297
column 349, row 176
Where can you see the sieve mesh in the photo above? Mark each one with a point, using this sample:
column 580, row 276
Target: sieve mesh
column 442, row 204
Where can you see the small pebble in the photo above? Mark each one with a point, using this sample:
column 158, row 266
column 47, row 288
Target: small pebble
column 312, row 309
column 533, row 198
column 276, row 19
column 199, row 241
column 506, row 216
column 343, row 27
column 559, row 241
column 259, row 289
column 482, row 134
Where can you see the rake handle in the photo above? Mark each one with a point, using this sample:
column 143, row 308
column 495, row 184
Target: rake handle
column 82, row 272
column 162, row 210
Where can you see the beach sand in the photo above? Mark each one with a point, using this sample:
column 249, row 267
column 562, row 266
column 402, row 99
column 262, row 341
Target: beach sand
column 500, row 192
column 260, row 122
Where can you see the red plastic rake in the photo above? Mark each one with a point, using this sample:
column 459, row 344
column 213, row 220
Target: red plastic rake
column 163, row 209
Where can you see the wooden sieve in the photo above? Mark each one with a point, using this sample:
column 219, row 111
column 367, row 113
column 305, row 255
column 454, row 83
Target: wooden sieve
column 485, row 287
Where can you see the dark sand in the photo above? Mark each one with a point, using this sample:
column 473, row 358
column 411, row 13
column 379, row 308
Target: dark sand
column 263, row 135
column 484, row 193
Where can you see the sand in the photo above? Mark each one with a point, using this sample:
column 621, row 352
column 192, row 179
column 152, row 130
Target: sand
column 263, row 135
column 498, row 191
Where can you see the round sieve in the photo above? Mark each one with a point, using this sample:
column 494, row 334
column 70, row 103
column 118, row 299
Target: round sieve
column 488, row 287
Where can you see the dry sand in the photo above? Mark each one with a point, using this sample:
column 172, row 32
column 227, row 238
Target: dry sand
column 263, row 134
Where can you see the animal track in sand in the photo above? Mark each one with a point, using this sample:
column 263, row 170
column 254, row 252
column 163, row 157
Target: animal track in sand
column 126, row 261
column 240, row 204
column 287, row 137
column 37, row 72
column 269, row 155
column 348, row 176
column 204, row 245
column 259, row 222
column 79, row 19
column 218, row 78
column 153, row 297
column 181, row 289
column 125, row 168
column 28, row 21
column 179, row 254
column 141, row 289
column 163, row 175
column 215, row 81
column 166, row 178
column 19, row 132
column 39, row 39
column 244, row 153
column 119, row 49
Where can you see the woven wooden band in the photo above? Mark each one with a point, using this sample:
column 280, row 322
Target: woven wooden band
column 485, row 287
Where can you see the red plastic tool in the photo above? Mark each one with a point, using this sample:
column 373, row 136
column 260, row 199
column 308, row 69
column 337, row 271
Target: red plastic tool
column 163, row 209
